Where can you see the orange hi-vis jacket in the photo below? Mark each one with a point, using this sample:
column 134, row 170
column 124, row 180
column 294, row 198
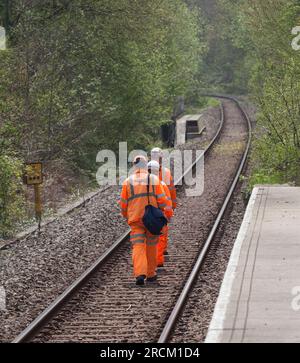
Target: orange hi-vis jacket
column 166, row 176
column 134, row 197
column 169, row 201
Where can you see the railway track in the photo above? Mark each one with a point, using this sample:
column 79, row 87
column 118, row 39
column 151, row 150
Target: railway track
column 103, row 305
column 188, row 287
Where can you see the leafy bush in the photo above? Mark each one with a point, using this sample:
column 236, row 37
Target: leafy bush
column 11, row 198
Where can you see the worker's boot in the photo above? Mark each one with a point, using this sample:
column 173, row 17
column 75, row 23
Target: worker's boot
column 152, row 279
column 140, row 280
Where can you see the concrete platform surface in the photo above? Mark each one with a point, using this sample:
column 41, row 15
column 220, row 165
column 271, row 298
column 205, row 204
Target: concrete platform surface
column 260, row 296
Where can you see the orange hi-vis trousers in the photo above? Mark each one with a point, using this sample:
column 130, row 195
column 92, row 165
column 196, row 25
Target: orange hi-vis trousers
column 162, row 246
column 144, row 250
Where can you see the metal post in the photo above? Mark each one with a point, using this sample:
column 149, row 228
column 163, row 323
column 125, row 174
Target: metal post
column 38, row 204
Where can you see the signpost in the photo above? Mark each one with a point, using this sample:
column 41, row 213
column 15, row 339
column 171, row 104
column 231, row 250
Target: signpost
column 33, row 175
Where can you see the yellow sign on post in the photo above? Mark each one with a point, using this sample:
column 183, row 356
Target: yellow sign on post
column 34, row 176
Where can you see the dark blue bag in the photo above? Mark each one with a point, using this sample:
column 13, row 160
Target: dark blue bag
column 153, row 219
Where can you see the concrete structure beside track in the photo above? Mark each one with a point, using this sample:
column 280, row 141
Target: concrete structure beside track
column 181, row 127
column 180, row 130
column 260, row 296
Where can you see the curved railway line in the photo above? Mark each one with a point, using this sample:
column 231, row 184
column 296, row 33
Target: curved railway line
column 104, row 305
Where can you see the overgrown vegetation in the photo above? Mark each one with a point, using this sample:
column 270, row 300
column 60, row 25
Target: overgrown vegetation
column 80, row 76
column 275, row 85
column 250, row 52
column 11, row 201
column 263, row 30
column 88, row 74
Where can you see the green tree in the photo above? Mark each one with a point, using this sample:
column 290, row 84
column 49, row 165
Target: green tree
column 275, row 85
column 80, row 76
column 225, row 65
column 89, row 74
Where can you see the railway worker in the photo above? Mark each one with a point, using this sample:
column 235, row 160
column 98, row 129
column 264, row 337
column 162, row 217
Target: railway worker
column 153, row 168
column 165, row 176
column 134, row 199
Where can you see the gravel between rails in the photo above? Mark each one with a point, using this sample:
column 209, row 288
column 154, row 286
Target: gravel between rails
column 110, row 308
column 36, row 269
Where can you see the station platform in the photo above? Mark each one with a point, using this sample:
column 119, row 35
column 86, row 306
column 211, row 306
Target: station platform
column 259, row 301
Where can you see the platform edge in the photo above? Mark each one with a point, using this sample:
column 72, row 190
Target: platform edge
column 215, row 329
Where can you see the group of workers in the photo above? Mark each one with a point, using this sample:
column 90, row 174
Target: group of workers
column 150, row 183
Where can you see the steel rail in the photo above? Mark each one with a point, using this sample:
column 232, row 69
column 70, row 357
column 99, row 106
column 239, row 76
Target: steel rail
column 53, row 308
column 180, row 304
column 37, row 324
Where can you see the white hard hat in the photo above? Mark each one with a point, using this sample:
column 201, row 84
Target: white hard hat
column 140, row 162
column 140, row 158
column 153, row 165
column 157, row 152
